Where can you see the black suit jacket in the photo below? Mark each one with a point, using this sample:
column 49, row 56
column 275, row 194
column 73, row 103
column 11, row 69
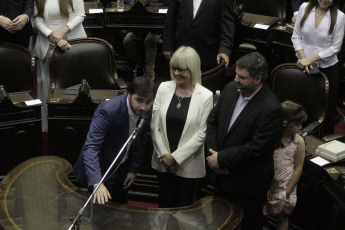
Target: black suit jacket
column 13, row 8
column 295, row 4
column 246, row 151
column 209, row 33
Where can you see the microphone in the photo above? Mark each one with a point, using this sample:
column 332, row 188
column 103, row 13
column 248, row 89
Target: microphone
column 310, row 128
column 142, row 121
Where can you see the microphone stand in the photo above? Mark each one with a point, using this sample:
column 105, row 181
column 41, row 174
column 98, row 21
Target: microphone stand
column 76, row 222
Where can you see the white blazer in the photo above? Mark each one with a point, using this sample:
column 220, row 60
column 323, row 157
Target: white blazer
column 47, row 24
column 189, row 155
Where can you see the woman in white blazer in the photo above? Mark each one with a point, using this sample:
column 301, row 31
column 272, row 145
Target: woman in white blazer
column 56, row 21
column 178, row 130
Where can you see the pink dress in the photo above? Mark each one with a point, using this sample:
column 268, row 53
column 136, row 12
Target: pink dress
column 284, row 159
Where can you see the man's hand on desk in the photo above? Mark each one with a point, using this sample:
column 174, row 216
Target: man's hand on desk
column 102, row 195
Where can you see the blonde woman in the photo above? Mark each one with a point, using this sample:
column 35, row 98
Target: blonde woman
column 178, row 130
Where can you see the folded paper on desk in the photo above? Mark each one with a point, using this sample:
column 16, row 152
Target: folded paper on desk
column 333, row 150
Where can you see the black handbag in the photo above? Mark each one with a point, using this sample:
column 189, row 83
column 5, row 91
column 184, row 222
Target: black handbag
column 315, row 70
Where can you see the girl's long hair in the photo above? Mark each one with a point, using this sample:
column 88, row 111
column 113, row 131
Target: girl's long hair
column 66, row 7
column 333, row 9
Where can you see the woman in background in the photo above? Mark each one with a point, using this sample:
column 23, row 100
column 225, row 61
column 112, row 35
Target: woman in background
column 57, row 21
column 178, row 130
column 317, row 38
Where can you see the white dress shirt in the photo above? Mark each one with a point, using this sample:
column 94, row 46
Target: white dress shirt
column 196, row 5
column 240, row 105
column 132, row 122
column 318, row 41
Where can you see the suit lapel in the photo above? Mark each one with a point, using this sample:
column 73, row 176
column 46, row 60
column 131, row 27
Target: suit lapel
column 168, row 97
column 229, row 109
column 252, row 105
column 192, row 108
column 190, row 8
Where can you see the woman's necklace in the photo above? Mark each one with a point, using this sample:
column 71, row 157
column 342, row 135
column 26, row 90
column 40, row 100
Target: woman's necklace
column 178, row 106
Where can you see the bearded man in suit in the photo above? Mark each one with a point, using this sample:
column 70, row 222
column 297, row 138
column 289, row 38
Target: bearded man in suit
column 15, row 26
column 111, row 126
column 242, row 132
column 206, row 25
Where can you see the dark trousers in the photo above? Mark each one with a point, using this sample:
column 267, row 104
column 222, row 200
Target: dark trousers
column 332, row 73
column 175, row 191
column 253, row 217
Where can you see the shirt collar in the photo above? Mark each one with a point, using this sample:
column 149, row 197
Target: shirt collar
column 251, row 96
column 328, row 14
column 131, row 114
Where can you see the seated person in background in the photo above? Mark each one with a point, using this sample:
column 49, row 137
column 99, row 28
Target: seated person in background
column 112, row 123
column 288, row 164
column 150, row 44
column 178, row 130
column 15, row 26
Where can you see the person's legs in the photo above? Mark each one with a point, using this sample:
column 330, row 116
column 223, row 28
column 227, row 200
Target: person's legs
column 282, row 222
column 185, row 191
column 167, row 190
column 129, row 43
column 43, row 85
column 332, row 73
column 150, row 44
column 253, row 217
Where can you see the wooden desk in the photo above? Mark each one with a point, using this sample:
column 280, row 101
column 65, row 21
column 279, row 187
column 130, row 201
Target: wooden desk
column 134, row 17
column 69, row 120
column 37, row 195
column 20, row 130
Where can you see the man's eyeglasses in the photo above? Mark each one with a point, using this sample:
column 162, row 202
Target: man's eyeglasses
column 181, row 71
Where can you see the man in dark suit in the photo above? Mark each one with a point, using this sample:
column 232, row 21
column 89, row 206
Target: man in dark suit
column 208, row 28
column 111, row 126
column 15, row 26
column 242, row 131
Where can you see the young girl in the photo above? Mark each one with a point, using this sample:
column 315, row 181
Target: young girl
column 288, row 164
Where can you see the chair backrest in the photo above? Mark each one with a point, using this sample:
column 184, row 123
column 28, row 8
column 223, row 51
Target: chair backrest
column 214, row 79
column 289, row 82
column 17, row 68
column 273, row 8
column 88, row 58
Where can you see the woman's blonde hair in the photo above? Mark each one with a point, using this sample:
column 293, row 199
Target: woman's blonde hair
column 66, row 7
column 186, row 57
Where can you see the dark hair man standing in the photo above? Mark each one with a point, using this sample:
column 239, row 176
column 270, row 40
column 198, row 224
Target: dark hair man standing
column 242, row 131
column 111, row 126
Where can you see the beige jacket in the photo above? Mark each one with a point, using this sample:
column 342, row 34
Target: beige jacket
column 190, row 154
